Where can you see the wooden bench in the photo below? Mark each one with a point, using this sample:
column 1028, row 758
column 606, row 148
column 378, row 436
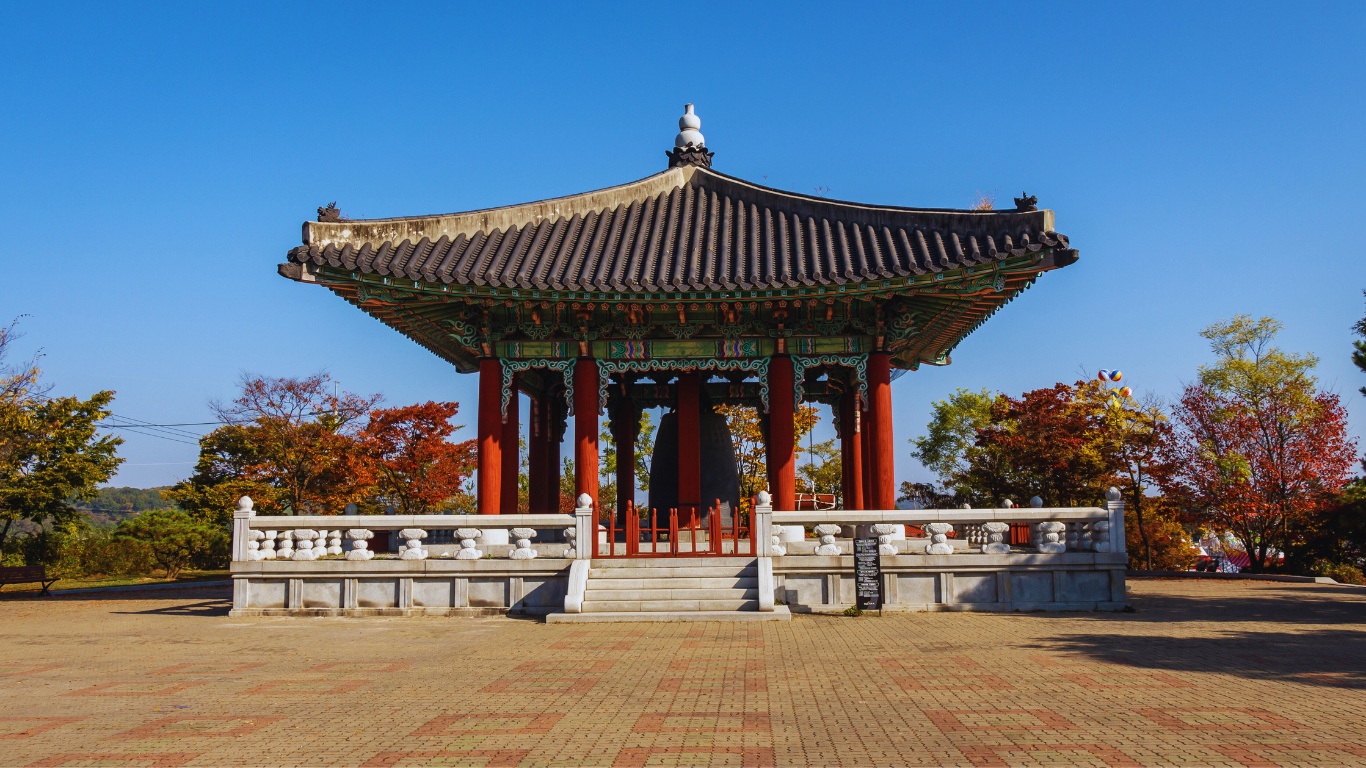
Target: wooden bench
column 25, row 574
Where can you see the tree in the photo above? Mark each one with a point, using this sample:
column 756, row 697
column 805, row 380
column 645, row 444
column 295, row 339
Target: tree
column 415, row 466
column 1048, row 443
column 50, row 451
column 1134, row 433
column 951, row 435
column 293, row 441
column 175, row 538
column 823, row 472
column 748, row 433
column 1256, row 449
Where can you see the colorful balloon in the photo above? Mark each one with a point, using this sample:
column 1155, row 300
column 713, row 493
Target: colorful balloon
column 1125, row 392
column 1116, row 375
column 1104, row 375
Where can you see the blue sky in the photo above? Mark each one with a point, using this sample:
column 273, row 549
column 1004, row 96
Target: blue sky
column 1206, row 158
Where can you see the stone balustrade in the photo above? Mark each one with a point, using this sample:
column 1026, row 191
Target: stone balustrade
column 348, row 537
column 1053, row 530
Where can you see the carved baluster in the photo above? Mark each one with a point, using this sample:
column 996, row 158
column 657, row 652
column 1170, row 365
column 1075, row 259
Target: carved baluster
column 996, row 538
column 939, row 539
column 268, row 545
column 1100, row 536
column 523, row 537
column 827, row 534
column 334, row 542
column 884, row 533
column 469, row 537
column 360, row 544
column 285, row 550
column 303, row 544
column 1050, row 537
column 254, row 539
column 569, row 534
column 412, row 540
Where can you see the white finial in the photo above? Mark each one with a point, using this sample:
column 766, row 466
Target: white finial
column 1036, row 502
column 689, row 129
column 244, row 504
column 585, row 500
column 1008, row 504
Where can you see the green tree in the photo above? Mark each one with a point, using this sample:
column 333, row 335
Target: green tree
column 748, row 434
column 176, row 540
column 822, row 473
column 949, row 439
column 51, row 453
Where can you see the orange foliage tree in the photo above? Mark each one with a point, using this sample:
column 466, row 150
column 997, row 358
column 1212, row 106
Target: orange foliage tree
column 414, row 465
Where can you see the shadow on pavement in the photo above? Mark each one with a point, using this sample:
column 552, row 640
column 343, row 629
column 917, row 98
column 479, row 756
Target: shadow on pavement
column 207, row 608
column 1327, row 654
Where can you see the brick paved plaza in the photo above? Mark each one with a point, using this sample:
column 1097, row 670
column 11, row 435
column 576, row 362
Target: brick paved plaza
column 1203, row 673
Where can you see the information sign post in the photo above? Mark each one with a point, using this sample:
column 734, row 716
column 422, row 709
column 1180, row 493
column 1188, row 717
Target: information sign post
column 867, row 570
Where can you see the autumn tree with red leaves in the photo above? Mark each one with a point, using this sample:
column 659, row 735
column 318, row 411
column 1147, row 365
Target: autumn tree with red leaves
column 414, row 465
column 289, row 443
column 1256, row 448
column 1050, row 443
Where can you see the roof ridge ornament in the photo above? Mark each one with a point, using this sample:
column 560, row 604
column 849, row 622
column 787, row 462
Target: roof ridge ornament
column 330, row 212
column 690, row 146
column 1026, row 202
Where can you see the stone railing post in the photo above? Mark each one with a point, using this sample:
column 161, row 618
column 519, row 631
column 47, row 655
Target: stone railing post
column 762, row 526
column 360, row 544
column 522, row 538
column 995, row 543
column 334, row 542
column 939, row 539
column 241, row 527
column 1114, row 504
column 584, row 528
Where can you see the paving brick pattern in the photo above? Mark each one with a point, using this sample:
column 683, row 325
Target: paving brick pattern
column 1218, row 674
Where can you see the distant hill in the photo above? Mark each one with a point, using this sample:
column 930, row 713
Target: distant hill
column 115, row 504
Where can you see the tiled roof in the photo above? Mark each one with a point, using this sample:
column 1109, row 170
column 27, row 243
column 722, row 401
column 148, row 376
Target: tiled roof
column 686, row 229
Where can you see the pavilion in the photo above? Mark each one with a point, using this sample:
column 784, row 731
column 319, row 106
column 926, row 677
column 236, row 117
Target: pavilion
column 684, row 289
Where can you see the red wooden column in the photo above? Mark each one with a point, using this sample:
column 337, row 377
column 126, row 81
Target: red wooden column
column 536, row 447
column 880, row 416
column 555, row 418
column 782, row 459
column 866, row 458
column 689, row 448
column 489, row 487
column 851, row 451
column 586, row 429
column 512, row 428
column 624, row 424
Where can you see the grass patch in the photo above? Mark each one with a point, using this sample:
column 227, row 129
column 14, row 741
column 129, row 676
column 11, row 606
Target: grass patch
column 84, row 582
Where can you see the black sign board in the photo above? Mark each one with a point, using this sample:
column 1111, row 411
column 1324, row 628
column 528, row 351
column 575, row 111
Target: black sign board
column 867, row 573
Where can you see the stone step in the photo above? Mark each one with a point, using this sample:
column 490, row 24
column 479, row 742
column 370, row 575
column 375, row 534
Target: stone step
column 674, row 572
column 718, row 582
column 779, row 613
column 655, row 595
column 666, row 606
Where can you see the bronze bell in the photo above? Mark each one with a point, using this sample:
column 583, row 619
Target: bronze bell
column 720, row 471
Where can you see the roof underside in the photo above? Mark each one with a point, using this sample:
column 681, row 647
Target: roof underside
column 687, row 229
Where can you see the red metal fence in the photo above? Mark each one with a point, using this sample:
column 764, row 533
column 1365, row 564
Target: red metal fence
column 653, row 533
